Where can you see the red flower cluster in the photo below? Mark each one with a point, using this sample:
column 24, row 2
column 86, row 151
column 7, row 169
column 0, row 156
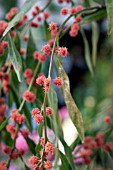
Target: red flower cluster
column 38, row 118
column 40, row 79
column 3, row 46
column 74, row 30
column 34, row 160
column 53, row 28
column 5, row 79
column 47, row 49
column 49, row 111
column 64, row 11
column 39, row 56
column 3, row 165
column 28, row 75
column 11, row 13
column 107, row 119
column 48, row 165
column 49, row 147
column 3, row 26
column 73, row 10
column 58, row 81
column 93, row 144
column 29, row 96
column 62, row 51
column 17, row 117
column 3, row 109
column 47, row 84
column 22, row 21
column 11, row 129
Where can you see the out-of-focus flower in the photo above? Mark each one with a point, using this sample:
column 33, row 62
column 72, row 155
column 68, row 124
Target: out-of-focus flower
column 21, row 144
column 63, row 112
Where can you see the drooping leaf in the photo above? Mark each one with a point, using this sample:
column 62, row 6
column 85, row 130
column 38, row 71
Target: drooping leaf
column 17, row 41
column 73, row 110
column 95, row 38
column 53, row 103
column 14, row 89
column 31, row 47
column 15, row 58
column 31, row 145
column 87, row 52
column 65, row 165
column 25, row 110
column 109, row 7
column 28, row 117
column 75, row 143
column 47, row 31
column 40, row 129
column 94, row 16
column 3, row 58
column 4, row 123
column 38, row 149
column 24, row 9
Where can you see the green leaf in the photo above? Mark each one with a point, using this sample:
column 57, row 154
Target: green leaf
column 31, row 47
column 4, row 123
column 3, row 58
column 27, row 116
column 17, row 100
column 24, row 9
column 75, row 143
column 40, row 129
column 95, row 38
column 15, row 58
column 31, row 145
column 65, row 165
column 73, row 110
column 109, row 7
column 53, row 103
column 17, row 41
column 38, row 149
column 87, row 52
column 47, row 31
column 94, row 17
column 14, row 89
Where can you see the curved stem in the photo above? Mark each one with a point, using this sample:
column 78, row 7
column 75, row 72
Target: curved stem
column 21, row 106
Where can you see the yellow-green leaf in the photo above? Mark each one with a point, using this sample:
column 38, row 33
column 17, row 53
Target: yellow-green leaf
column 109, row 7
column 73, row 110
column 87, row 52
column 15, row 58
column 95, row 38
column 24, row 9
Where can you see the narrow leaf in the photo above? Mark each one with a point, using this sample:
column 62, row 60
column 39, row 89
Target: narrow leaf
column 95, row 38
column 73, row 110
column 31, row 47
column 28, row 117
column 47, row 31
column 15, row 58
column 65, row 165
column 53, row 103
column 31, row 145
column 17, row 41
column 24, row 9
column 94, row 17
column 4, row 123
column 109, row 7
column 3, row 58
column 87, row 52
column 25, row 109
column 40, row 129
